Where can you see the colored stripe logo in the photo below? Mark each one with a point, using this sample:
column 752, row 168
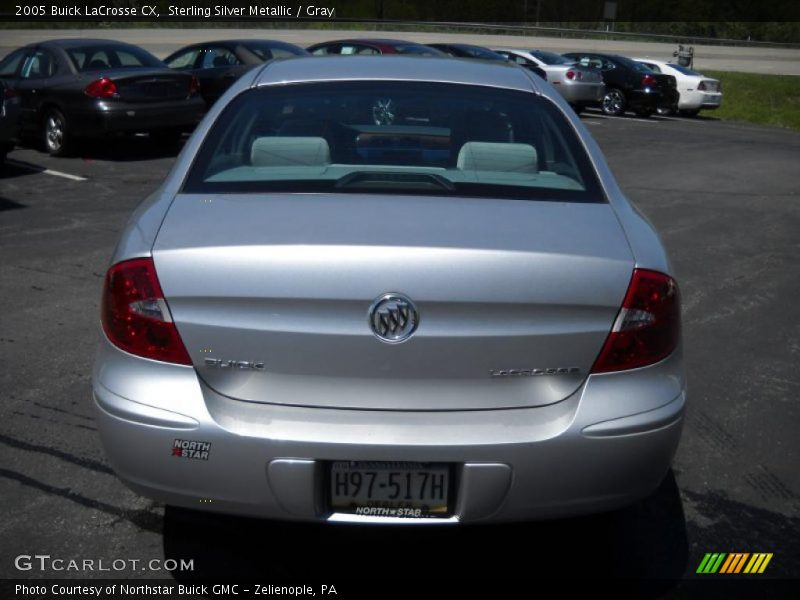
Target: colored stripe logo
column 734, row 563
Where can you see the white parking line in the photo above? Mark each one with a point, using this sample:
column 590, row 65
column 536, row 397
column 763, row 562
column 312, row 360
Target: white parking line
column 31, row 167
column 625, row 118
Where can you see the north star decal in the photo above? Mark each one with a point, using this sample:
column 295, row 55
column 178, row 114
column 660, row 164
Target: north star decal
column 189, row 449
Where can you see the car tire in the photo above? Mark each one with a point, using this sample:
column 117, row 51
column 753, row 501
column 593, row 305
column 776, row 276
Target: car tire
column 613, row 102
column 55, row 133
column 690, row 113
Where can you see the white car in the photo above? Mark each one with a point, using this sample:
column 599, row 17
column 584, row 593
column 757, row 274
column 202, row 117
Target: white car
column 696, row 90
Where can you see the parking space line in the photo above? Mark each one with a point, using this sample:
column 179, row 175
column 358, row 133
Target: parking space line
column 38, row 169
column 596, row 116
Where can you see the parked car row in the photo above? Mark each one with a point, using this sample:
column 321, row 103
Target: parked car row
column 61, row 90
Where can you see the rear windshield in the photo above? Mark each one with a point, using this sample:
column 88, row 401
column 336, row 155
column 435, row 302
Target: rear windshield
column 551, row 58
column 684, row 70
column 99, row 57
column 637, row 66
column 394, row 138
column 416, row 49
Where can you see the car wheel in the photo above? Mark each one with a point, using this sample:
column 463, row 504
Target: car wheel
column 614, row 102
column 690, row 113
column 54, row 129
column 665, row 111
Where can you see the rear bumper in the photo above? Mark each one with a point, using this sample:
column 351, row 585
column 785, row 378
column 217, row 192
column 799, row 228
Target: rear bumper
column 644, row 100
column 697, row 99
column 9, row 125
column 582, row 93
column 669, row 99
column 607, row 445
column 105, row 118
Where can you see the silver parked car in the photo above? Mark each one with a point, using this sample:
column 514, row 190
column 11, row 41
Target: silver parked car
column 580, row 86
column 405, row 289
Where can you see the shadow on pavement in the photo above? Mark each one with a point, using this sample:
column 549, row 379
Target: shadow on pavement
column 6, row 204
column 647, row 540
column 120, row 149
column 127, row 149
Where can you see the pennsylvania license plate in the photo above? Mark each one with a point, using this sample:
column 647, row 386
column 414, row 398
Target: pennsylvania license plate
column 390, row 489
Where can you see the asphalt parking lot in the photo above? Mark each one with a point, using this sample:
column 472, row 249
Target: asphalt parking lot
column 726, row 199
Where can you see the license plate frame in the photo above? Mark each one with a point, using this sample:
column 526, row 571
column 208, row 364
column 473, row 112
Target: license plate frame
column 399, row 507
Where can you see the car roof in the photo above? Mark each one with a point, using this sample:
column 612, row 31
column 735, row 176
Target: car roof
column 655, row 61
column 369, row 41
column 244, row 41
column 397, row 67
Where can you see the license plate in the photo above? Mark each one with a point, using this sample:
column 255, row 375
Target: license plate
column 390, row 489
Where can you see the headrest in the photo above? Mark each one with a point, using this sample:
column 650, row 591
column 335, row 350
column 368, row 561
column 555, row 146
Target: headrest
column 284, row 151
column 504, row 158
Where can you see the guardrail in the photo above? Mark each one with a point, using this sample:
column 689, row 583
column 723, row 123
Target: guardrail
column 572, row 33
column 7, row 22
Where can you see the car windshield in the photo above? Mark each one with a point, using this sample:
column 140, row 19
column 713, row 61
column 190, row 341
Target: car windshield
column 551, row 58
column 394, row 138
column 684, row 70
column 108, row 56
column 266, row 50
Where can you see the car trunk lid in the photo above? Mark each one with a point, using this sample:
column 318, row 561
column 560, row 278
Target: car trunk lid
column 150, row 85
column 271, row 293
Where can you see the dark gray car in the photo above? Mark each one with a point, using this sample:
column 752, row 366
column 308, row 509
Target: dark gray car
column 219, row 63
column 84, row 88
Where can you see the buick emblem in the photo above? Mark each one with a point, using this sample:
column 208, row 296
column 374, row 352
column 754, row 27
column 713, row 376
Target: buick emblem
column 393, row 318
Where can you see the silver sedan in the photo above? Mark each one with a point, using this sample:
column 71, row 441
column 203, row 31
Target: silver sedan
column 579, row 85
column 404, row 289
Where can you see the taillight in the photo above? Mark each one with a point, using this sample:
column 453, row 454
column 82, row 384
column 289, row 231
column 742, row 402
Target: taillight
column 648, row 326
column 102, row 88
column 194, row 86
column 648, row 80
column 135, row 315
column 9, row 93
column 570, row 74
